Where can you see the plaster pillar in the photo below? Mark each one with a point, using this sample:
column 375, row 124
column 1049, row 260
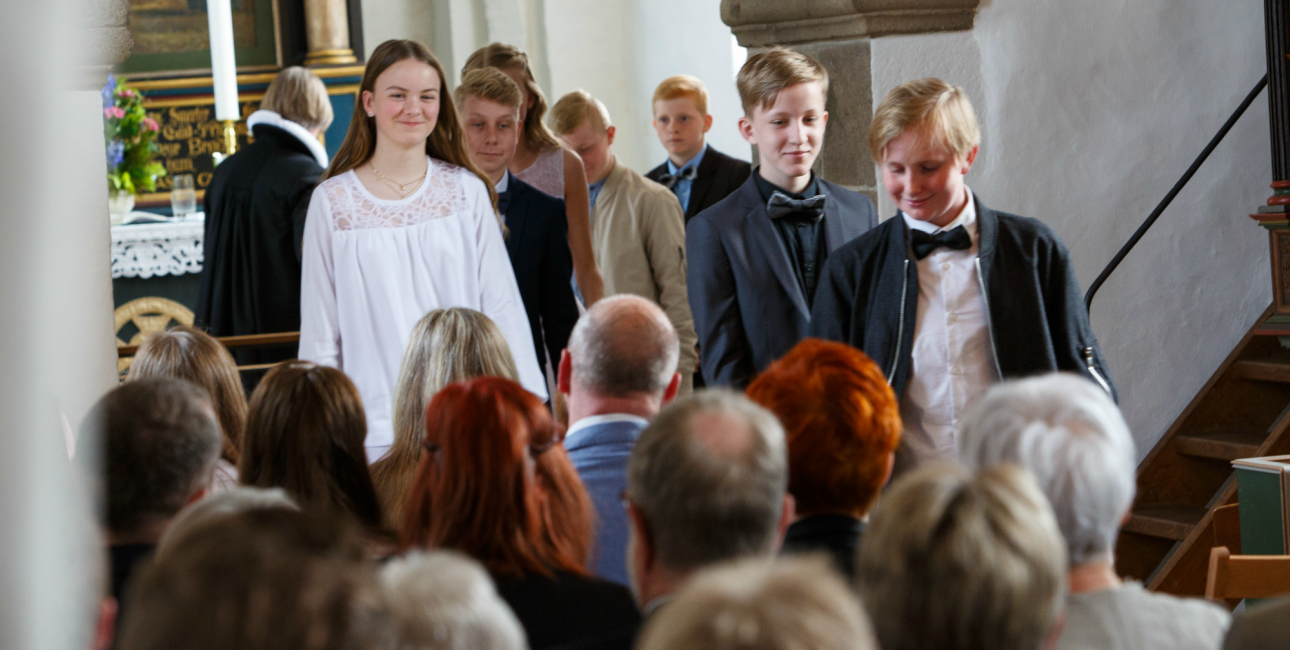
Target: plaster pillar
column 327, row 30
column 838, row 34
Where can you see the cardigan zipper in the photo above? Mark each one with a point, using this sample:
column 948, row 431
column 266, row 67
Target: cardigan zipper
column 989, row 321
column 900, row 330
column 1088, row 361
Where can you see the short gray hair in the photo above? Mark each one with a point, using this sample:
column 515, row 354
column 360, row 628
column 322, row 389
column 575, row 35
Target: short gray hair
column 623, row 345
column 752, row 604
column 443, row 600
column 705, row 504
column 1072, row 438
column 958, row 560
column 234, row 500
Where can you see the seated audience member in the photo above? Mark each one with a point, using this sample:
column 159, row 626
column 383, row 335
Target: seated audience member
column 443, row 600
column 188, row 353
column 1068, row 432
column 304, row 434
column 542, row 162
column 1260, row 628
column 489, row 103
column 638, row 229
column 620, row 368
column 756, row 256
column 792, row 604
column 255, row 217
column 495, row 483
column 445, row 347
column 962, row 561
column 706, row 482
column 268, row 579
column 950, row 296
column 697, row 173
column 232, row 501
column 843, row 426
column 161, row 441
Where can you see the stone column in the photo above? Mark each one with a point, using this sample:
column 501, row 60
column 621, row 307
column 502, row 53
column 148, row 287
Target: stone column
column 837, row 33
column 327, row 29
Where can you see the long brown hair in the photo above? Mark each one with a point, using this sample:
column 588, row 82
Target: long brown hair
column 447, row 142
column 496, row 484
column 305, row 434
column 187, row 353
column 537, row 136
column 446, row 346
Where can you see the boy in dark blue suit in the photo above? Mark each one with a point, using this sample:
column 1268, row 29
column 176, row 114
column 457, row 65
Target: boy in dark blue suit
column 697, row 174
column 755, row 257
column 489, row 103
column 950, row 297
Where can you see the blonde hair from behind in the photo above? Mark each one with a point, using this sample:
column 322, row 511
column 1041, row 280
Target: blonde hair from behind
column 683, row 85
column 502, row 56
column 575, row 108
column 298, row 95
column 939, row 113
column 490, row 84
column 768, row 72
column 184, row 352
column 796, row 603
column 446, row 346
column 941, row 537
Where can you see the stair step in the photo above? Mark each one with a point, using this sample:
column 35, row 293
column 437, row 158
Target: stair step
column 1223, row 445
column 1169, row 522
column 1261, row 370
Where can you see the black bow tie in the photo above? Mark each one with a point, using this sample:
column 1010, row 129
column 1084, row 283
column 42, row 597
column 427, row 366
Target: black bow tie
column 670, row 180
column 924, row 243
column 503, row 201
column 781, row 205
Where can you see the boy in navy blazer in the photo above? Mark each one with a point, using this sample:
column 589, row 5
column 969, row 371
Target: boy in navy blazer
column 489, row 104
column 756, row 256
column 950, row 297
column 697, row 174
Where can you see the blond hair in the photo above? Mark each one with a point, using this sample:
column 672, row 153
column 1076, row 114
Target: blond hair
column 940, row 115
column 796, row 603
column 445, row 347
column 508, row 57
column 940, row 538
column 188, row 353
column 490, row 84
column 300, row 96
column 768, row 72
column 683, row 85
column 575, row 108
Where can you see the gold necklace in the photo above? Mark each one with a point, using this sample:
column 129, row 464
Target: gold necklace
column 402, row 190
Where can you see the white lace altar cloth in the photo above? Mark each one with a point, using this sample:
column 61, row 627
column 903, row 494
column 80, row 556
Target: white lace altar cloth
column 145, row 250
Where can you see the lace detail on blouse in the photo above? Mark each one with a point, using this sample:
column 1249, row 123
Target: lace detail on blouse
column 353, row 208
column 547, row 172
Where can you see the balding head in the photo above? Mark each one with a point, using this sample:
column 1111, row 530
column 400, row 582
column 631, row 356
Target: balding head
column 709, row 477
column 623, row 346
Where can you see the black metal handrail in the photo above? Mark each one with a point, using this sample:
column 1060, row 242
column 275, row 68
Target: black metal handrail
column 1164, row 203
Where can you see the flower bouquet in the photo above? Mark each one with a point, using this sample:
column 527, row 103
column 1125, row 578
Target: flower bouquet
column 129, row 134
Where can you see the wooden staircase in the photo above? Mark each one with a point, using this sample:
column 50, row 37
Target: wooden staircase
column 1242, row 412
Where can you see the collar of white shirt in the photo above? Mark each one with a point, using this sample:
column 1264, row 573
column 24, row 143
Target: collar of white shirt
column 966, row 218
column 593, row 420
column 505, row 183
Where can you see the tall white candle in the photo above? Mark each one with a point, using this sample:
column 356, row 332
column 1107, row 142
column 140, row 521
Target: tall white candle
column 223, row 66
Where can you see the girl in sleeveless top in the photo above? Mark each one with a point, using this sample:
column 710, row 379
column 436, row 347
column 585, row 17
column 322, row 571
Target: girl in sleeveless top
column 542, row 162
column 404, row 224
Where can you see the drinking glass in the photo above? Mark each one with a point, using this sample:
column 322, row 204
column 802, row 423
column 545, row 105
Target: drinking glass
column 183, row 197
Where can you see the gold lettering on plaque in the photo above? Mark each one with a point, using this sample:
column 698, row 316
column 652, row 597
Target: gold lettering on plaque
column 187, row 137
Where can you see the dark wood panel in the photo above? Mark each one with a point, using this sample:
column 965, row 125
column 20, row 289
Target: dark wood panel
column 1221, row 445
column 1169, row 522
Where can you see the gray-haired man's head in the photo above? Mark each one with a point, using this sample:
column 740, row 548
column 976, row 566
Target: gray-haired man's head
column 623, row 345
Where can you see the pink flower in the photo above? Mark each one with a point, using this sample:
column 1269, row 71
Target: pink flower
column 150, row 124
column 114, row 112
column 126, row 92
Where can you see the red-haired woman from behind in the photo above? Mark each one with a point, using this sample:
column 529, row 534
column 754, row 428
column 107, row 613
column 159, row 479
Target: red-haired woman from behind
column 843, row 427
column 494, row 482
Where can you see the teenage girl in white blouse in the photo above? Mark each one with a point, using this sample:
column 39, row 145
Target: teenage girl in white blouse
column 403, row 224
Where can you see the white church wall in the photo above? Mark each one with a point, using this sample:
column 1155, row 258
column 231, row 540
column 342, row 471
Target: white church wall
column 1088, row 118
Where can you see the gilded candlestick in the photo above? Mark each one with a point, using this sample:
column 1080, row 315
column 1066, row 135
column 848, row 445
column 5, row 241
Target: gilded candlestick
column 230, row 137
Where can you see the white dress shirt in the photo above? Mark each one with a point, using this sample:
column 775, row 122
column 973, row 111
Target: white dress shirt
column 953, row 359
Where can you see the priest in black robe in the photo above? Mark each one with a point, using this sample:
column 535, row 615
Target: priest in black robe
column 255, row 218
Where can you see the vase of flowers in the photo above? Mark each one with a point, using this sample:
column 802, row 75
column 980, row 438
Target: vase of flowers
column 130, row 138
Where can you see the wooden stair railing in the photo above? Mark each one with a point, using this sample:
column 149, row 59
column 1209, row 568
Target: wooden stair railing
column 1243, row 411
column 231, row 342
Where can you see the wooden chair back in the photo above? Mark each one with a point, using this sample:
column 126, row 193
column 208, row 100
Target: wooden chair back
column 1246, row 576
column 150, row 314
